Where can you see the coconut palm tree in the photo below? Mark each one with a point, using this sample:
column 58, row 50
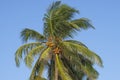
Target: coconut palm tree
column 64, row 59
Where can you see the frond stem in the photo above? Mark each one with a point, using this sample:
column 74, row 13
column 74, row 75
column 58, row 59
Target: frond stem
column 51, row 27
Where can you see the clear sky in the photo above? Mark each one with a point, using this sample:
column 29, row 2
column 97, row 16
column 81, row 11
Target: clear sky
column 16, row 15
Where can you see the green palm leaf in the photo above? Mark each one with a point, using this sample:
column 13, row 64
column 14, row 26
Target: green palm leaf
column 45, row 55
column 84, row 51
column 40, row 64
column 29, row 34
column 89, row 71
column 82, row 23
column 62, row 69
column 76, row 74
column 24, row 49
column 30, row 56
column 51, row 69
column 79, row 65
column 56, row 17
column 38, row 67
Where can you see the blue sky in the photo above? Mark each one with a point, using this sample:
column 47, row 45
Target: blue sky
column 16, row 15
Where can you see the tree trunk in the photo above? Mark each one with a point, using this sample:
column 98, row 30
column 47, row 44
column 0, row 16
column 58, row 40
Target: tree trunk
column 56, row 70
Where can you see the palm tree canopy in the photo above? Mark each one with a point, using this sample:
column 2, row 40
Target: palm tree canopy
column 71, row 58
column 58, row 21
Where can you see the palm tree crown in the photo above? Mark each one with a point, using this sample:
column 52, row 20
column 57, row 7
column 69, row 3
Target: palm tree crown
column 65, row 59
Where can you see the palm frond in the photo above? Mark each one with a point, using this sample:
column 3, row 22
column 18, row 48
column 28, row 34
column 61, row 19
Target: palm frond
column 89, row 71
column 24, row 49
column 34, row 70
column 75, row 74
column 76, row 42
column 53, row 6
column 51, row 69
column 79, row 65
column 43, row 59
column 63, row 12
column 82, row 23
column 38, row 67
column 48, row 31
column 60, row 11
column 30, row 56
column 69, row 57
column 63, row 29
column 55, row 19
column 62, row 69
column 84, row 52
column 40, row 64
column 58, row 21
column 29, row 34
column 45, row 54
